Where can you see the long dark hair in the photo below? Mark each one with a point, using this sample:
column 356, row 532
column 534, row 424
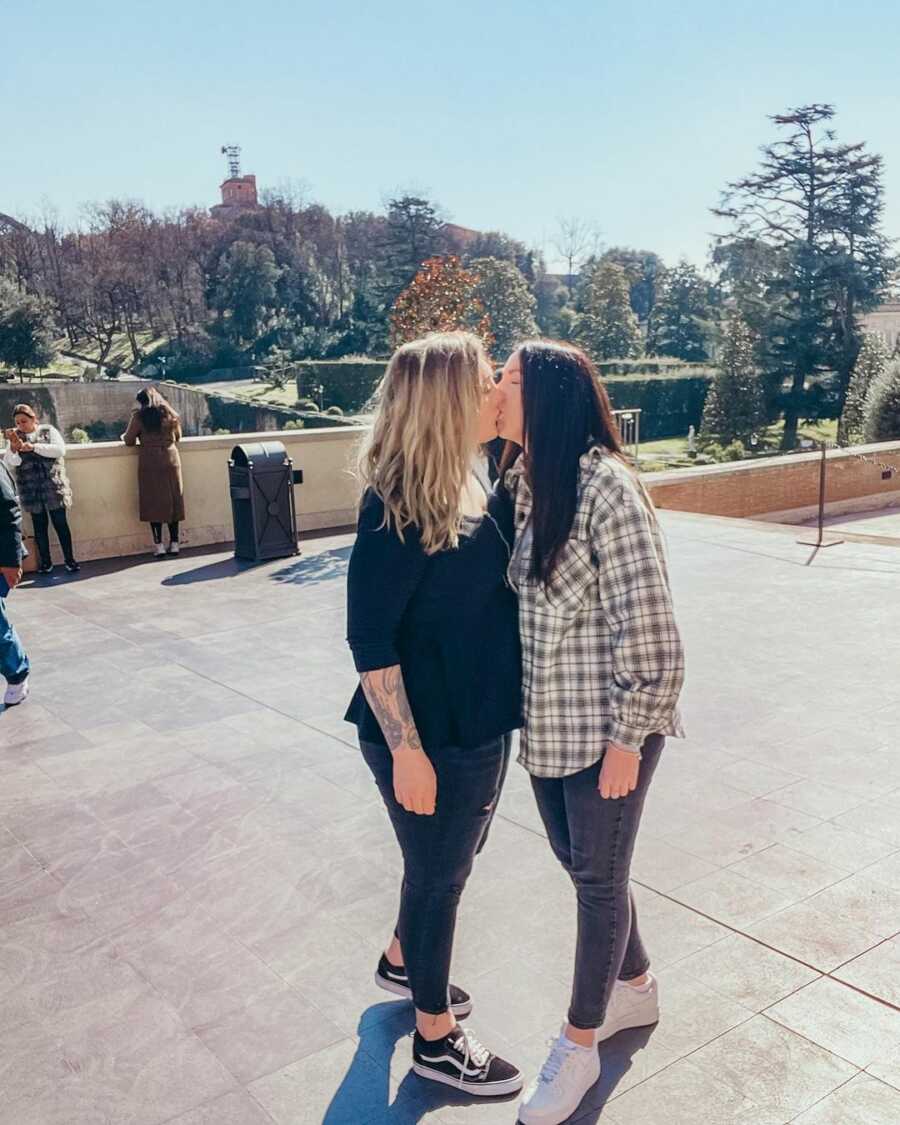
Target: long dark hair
column 566, row 411
column 154, row 410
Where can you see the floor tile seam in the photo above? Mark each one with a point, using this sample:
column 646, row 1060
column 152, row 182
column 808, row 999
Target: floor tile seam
column 239, row 1088
column 687, row 1055
column 847, row 1082
column 782, row 953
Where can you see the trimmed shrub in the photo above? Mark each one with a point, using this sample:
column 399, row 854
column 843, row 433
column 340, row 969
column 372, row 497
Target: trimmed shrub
column 669, row 405
column 882, row 410
column 78, row 436
column 347, row 383
column 335, row 411
column 294, row 424
column 307, row 404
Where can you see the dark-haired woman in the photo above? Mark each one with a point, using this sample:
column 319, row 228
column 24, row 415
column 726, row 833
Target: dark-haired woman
column 37, row 453
column 603, row 670
column 157, row 428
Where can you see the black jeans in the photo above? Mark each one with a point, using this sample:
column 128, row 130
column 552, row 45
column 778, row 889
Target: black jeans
column 438, row 853
column 42, row 534
column 156, row 532
column 593, row 838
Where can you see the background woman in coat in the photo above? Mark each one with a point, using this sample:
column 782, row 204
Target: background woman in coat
column 157, row 428
column 37, row 454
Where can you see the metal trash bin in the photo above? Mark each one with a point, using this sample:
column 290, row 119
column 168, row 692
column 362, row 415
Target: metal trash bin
column 261, row 480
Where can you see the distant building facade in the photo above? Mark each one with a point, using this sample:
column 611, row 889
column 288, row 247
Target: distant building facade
column 238, row 195
column 884, row 321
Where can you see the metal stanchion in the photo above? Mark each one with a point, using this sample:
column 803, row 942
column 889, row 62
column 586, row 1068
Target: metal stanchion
column 820, row 542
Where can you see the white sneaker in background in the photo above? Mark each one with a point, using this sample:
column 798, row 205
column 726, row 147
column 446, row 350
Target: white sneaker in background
column 567, row 1075
column 630, row 1007
column 16, row 693
column 173, row 548
column 159, row 550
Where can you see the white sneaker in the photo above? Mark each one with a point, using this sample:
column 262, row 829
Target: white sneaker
column 567, row 1075
column 159, row 550
column 16, row 693
column 173, row 548
column 629, row 1007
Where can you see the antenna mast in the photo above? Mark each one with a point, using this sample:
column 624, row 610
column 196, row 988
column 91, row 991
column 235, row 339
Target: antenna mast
column 233, row 154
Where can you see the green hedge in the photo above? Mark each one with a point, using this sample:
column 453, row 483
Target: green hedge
column 668, row 404
column 348, row 384
column 658, row 365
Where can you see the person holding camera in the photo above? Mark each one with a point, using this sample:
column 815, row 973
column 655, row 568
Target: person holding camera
column 13, row 660
column 37, row 452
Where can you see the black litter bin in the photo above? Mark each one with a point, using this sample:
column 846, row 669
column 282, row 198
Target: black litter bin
column 261, row 480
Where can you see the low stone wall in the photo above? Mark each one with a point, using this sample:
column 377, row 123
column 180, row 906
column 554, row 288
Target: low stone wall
column 104, row 516
column 784, row 489
column 78, row 404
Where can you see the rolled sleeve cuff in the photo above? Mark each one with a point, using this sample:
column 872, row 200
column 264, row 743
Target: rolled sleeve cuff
column 628, row 737
column 372, row 657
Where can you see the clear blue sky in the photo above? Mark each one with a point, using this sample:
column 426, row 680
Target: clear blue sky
column 510, row 114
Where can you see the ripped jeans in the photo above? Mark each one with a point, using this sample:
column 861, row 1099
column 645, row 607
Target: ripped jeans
column 438, row 853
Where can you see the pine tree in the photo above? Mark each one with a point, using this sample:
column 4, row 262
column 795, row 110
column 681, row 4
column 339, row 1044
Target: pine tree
column 870, row 364
column 680, row 319
column 882, row 412
column 735, row 405
column 440, row 298
column 607, row 327
column 509, row 304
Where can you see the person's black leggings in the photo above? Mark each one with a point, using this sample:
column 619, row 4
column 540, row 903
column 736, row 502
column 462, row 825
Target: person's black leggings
column 593, row 838
column 438, row 853
column 156, row 530
column 41, row 522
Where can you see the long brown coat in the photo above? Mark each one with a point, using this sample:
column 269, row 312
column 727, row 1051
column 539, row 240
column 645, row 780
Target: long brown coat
column 159, row 470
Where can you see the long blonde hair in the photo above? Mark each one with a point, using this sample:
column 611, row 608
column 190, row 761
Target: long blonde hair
column 418, row 455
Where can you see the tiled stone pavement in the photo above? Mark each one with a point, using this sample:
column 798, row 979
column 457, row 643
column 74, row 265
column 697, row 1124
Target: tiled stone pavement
column 195, row 875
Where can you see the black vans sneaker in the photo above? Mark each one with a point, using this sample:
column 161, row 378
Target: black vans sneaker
column 459, row 1060
column 393, row 978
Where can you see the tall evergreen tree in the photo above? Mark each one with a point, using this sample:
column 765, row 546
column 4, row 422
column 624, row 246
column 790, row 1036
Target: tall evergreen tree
column 412, row 234
column 810, row 216
column 645, row 271
column 679, row 325
column 873, row 358
column 26, row 329
column 507, row 300
column 607, row 327
column 735, row 405
column 245, row 289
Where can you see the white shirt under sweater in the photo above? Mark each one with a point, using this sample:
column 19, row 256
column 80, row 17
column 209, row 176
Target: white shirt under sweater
column 53, row 447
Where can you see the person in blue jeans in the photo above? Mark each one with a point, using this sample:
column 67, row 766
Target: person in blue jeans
column 13, row 660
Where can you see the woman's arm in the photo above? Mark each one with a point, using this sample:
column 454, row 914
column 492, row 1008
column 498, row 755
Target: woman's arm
column 383, row 575
column 134, row 428
column 54, row 448
column 648, row 659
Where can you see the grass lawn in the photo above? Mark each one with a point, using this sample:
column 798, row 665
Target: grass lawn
column 65, row 367
column 671, row 453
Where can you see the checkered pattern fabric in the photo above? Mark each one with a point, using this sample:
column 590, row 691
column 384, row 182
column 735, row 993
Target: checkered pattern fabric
column 602, row 658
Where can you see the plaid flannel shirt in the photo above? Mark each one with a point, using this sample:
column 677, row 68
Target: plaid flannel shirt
column 602, row 659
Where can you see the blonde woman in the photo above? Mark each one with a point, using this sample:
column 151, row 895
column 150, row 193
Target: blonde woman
column 434, row 634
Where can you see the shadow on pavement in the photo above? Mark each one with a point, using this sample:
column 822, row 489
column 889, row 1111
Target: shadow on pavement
column 311, row 569
column 365, row 1092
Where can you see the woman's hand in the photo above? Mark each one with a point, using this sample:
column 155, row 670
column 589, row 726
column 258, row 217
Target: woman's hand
column 619, row 772
column 415, row 782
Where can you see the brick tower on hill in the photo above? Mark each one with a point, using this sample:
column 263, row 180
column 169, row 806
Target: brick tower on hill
column 238, row 192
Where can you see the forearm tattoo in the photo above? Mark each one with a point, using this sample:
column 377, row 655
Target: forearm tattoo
column 387, row 697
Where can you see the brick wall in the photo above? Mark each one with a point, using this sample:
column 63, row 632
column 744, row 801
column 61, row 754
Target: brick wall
column 783, row 489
